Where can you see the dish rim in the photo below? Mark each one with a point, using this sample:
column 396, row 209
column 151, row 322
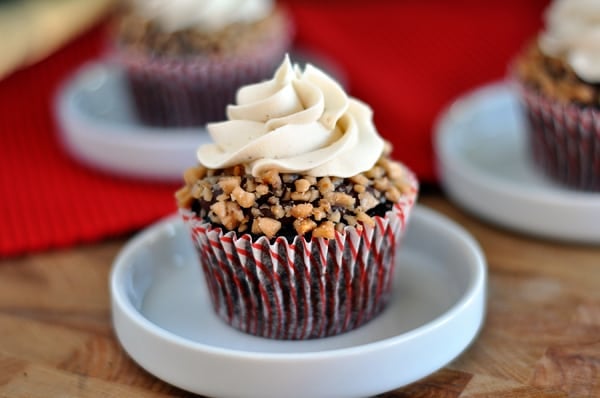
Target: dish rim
column 476, row 286
column 443, row 127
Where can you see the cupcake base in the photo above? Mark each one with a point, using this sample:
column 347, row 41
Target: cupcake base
column 304, row 289
column 191, row 90
column 564, row 140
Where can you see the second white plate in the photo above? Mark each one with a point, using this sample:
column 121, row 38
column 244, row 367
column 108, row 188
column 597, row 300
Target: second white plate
column 98, row 125
column 163, row 318
column 484, row 166
column 99, row 128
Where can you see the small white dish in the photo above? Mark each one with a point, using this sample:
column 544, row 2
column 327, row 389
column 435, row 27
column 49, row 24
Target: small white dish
column 484, row 166
column 164, row 320
column 98, row 127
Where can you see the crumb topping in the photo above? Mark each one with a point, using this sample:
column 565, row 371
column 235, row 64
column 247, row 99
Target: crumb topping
column 138, row 33
column 286, row 204
column 554, row 78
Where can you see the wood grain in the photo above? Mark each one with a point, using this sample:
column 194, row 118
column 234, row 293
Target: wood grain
column 541, row 336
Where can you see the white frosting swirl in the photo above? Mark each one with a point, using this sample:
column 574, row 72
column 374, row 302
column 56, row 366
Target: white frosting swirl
column 573, row 32
column 298, row 122
column 204, row 15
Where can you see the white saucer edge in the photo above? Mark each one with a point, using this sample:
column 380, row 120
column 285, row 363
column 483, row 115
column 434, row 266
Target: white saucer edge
column 118, row 147
column 526, row 210
column 136, row 334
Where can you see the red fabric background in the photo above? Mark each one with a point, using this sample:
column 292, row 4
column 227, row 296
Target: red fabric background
column 407, row 59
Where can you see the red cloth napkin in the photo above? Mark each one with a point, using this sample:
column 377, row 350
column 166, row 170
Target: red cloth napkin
column 407, row 59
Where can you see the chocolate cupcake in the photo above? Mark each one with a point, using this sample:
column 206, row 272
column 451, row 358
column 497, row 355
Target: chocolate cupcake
column 185, row 59
column 559, row 81
column 297, row 209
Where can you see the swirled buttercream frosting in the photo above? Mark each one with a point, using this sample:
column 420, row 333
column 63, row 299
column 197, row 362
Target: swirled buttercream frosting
column 204, row 15
column 301, row 121
column 573, row 33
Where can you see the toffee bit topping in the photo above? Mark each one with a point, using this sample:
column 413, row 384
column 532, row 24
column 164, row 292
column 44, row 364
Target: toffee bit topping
column 228, row 184
column 340, row 199
column 365, row 219
column 261, row 190
column 278, row 211
column 303, row 225
column 300, row 196
column 229, row 214
column 147, row 36
column 184, row 197
column 290, row 204
column 555, row 78
column 303, row 210
column 243, row 198
column 325, row 185
column 324, row 230
column 272, row 178
column 269, row 226
column 367, row 201
column 302, row 185
column 194, row 174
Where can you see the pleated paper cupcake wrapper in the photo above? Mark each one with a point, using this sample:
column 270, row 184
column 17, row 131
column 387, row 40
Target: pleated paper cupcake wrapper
column 305, row 289
column 195, row 90
column 564, row 140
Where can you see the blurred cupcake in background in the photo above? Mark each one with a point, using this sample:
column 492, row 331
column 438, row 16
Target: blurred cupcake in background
column 559, row 82
column 185, row 59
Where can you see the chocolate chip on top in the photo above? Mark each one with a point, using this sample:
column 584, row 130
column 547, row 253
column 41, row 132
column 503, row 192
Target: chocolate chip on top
column 285, row 204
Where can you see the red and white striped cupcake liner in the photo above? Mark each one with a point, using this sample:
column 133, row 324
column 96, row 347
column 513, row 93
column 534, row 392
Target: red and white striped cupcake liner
column 194, row 90
column 564, row 139
column 304, row 289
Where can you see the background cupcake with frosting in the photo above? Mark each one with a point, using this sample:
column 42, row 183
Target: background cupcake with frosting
column 296, row 209
column 185, row 59
column 559, row 80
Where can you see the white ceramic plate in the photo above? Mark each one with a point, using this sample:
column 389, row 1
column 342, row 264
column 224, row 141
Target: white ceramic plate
column 98, row 127
column 164, row 320
column 484, row 166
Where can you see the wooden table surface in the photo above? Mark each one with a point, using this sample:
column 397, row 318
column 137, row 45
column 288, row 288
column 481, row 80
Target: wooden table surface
column 541, row 336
